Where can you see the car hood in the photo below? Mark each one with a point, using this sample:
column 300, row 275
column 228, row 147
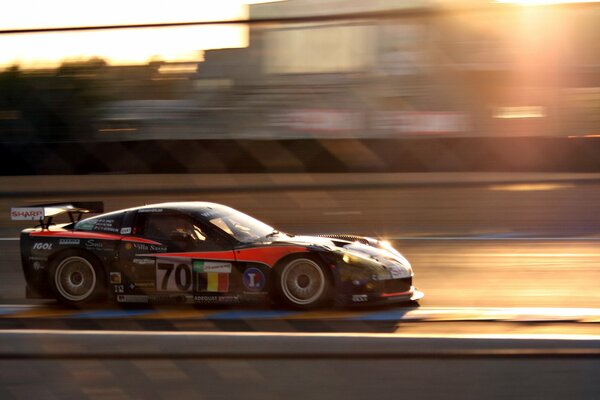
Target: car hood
column 372, row 249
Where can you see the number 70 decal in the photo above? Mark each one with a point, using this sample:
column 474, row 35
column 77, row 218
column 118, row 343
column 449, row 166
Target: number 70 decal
column 174, row 275
column 177, row 275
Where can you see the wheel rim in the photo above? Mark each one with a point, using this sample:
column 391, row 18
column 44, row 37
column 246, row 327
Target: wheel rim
column 75, row 278
column 303, row 281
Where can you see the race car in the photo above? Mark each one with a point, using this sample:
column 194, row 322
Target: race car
column 202, row 253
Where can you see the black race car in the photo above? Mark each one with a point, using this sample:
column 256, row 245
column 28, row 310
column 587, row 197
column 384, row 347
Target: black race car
column 204, row 253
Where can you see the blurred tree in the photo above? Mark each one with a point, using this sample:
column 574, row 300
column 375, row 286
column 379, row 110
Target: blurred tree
column 50, row 106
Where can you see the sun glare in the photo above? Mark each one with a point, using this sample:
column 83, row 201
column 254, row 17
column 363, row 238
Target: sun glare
column 543, row 2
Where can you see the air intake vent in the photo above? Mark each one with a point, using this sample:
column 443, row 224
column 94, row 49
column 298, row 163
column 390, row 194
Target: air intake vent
column 349, row 238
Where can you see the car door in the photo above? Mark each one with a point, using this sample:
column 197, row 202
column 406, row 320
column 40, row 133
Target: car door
column 181, row 255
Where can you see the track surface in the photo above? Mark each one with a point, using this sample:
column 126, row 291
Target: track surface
column 113, row 365
column 496, row 272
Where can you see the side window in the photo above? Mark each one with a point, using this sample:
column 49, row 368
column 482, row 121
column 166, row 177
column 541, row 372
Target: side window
column 178, row 229
column 108, row 223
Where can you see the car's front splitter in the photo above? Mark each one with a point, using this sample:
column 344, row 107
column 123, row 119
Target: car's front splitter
column 385, row 298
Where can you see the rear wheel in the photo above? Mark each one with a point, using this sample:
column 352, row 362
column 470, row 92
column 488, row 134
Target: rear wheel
column 76, row 278
column 303, row 283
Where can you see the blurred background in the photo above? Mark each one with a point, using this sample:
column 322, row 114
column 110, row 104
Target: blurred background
column 323, row 86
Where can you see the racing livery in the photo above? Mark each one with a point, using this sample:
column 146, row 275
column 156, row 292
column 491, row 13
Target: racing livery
column 203, row 253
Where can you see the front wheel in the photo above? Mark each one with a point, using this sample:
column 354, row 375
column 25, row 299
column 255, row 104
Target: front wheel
column 303, row 283
column 76, row 278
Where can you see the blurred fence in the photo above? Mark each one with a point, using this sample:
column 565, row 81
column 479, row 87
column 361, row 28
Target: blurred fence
column 316, row 155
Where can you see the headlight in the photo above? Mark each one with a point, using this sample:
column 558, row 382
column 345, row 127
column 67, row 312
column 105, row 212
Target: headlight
column 350, row 259
column 355, row 259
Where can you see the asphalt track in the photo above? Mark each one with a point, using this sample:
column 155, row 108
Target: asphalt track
column 501, row 260
column 150, row 365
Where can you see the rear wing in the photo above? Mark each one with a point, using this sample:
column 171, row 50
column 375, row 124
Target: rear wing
column 46, row 212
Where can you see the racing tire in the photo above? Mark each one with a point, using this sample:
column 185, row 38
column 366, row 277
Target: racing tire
column 303, row 283
column 76, row 278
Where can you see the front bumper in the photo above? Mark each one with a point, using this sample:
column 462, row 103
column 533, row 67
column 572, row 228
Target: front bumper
column 413, row 294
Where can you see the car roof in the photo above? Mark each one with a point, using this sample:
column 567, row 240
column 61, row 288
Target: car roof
column 183, row 205
column 201, row 206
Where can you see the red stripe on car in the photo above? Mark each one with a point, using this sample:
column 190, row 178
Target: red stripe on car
column 397, row 294
column 263, row 255
column 267, row 255
column 208, row 255
column 91, row 235
column 139, row 240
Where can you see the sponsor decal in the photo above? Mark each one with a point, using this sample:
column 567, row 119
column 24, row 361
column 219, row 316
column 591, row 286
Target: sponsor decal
column 146, row 247
column 115, row 278
column 93, row 244
column 159, row 249
column 42, row 246
column 37, row 266
column 143, row 261
column 360, row 298
column 38, row 258
column 150, row 210
column 119, row 289
column 146, row 285
column 105, row 225
column 125, row 231
column 212, row 276
column 128, row 246
column 132, row 298
column 216, row 299
column 254, row 279
column 212, row 266
column 68, row 242
column 165, row 298
column 26, row 213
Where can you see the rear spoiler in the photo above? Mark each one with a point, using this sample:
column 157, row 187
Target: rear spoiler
column 45, row 212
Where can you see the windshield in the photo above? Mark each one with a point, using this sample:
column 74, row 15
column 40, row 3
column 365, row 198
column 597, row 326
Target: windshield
column 242, row 227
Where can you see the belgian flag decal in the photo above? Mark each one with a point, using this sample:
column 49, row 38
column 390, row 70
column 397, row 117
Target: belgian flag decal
column 212, row 276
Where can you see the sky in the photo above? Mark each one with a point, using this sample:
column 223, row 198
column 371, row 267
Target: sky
column 132, row 46
column 118, row 47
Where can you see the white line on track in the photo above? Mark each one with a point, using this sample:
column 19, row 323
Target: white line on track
column 59, row 332
column 483, row 238
column 342, row 213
